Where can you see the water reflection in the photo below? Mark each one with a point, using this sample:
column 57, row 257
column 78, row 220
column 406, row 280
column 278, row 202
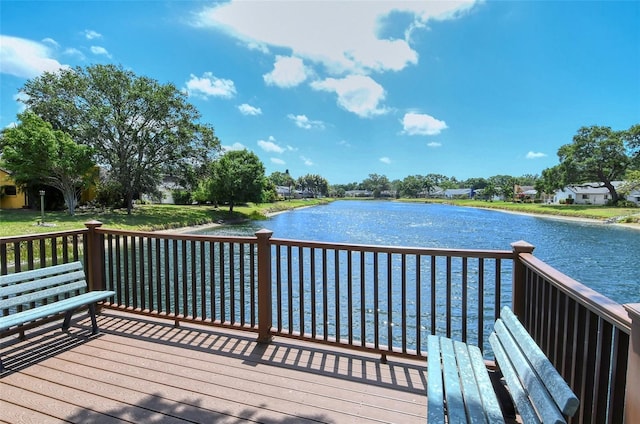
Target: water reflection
column 603, row 257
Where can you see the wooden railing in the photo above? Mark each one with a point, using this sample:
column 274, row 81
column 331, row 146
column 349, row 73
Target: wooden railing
column 40, row 250
column 379, row 299
column 584, row 334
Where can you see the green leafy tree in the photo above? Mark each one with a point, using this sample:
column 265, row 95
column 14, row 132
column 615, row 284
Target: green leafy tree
column 596, row 154
column 138, row 128
column 376, row 184
column 314, row 184
column 412, row 186
column 632, row 140
column 36, row 153
column 283, row 179
column 550, row 181
column 236, row 177
column 505, row 185
column 631, row 182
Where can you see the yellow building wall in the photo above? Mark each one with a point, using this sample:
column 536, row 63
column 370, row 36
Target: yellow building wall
column 8, row 201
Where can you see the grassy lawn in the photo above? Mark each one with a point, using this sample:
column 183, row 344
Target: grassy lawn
column 577, row 211
column 160, row 217
column 143, row 217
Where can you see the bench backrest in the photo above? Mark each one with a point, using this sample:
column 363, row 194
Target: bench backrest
column 27, row 288
column 533, row 381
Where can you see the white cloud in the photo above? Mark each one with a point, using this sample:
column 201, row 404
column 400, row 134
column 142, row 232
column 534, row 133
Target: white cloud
column 291, row 148
column 344, row 37
column 51, row 41
column 91, row 35
column 247, row 109
column 359, row 94
column 74, row 53
column 434, row 144
column 535, row 155
column 234, row 146
column 302, row 121
column 385, row 159
column 278, row 161
column 98, row 50
column 306, row 161
column 209, row 85
column 287, row 72
column 421, row 124
column 270, row 145
column 25, row 58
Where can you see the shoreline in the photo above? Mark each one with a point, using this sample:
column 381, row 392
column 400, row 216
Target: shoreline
column 565, row 218
column 631, row 226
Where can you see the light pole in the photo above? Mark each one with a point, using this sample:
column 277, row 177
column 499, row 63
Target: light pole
column 42, row 206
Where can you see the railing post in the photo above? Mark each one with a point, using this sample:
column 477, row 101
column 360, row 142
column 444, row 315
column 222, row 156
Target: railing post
column 519, row 273
column 264, row 286
column 632, row 396
column 93, row 257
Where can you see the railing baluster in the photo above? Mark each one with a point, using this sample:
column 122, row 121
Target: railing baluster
column 465, row 289
column 312, row 281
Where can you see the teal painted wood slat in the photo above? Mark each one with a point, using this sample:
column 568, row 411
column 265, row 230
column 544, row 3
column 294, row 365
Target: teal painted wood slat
column 39, row 273
column 28, row 298
column 42, row 283
column 435, row 390
column 518, row 394
column 456, row 412
column 487, row 393
column 470, row 393
column 562, row 394
column 44, row 311
column 535, row 388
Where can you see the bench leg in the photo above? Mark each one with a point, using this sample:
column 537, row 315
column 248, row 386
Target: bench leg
column 67, row 320
column 94, row 323
column 1, row 365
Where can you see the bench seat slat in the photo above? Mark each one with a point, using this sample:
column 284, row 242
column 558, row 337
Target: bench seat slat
column 487, row 393
column 471, row 394
column 435, row 390
column 27, row 298
column 540, row 397
column 566, row 400
column 44, row 311
column 40, row 273
column 517, row 392
column 452, row 387
column 42, row 283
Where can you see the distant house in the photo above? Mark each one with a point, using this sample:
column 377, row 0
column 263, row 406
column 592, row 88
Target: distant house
column 11, row 196
column 358, row 193
column 591, row 194
column 459, row 193
column 525, row 193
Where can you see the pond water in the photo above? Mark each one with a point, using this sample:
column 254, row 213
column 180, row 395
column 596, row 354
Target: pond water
column 603, row 257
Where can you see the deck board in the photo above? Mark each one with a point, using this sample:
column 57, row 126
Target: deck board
column 141, row 369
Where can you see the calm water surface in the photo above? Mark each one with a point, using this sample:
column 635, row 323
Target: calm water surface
column 603, row 257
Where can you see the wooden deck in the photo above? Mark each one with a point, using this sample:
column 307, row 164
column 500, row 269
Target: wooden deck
column 142, row 370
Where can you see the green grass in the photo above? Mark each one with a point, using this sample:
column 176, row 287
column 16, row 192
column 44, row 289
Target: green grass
column 160, row 217
column 576, row 211
column 143, row 217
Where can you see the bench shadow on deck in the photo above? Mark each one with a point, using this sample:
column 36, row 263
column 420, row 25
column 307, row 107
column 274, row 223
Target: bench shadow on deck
column 144, row 370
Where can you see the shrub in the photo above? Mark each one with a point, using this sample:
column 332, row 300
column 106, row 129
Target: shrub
column 181, row 197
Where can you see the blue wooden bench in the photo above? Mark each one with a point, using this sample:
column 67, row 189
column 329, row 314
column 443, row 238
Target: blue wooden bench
column 32, row 295
column 460, row 390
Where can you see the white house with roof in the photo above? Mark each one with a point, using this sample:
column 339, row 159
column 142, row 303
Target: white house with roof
column 591, row 194
column 458, row 193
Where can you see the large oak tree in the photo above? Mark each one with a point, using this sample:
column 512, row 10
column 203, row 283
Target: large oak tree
column 597, row 154
column 35, row 153
column 139, row 129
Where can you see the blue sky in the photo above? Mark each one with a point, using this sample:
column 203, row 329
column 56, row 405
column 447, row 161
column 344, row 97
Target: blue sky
column 345, row 89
